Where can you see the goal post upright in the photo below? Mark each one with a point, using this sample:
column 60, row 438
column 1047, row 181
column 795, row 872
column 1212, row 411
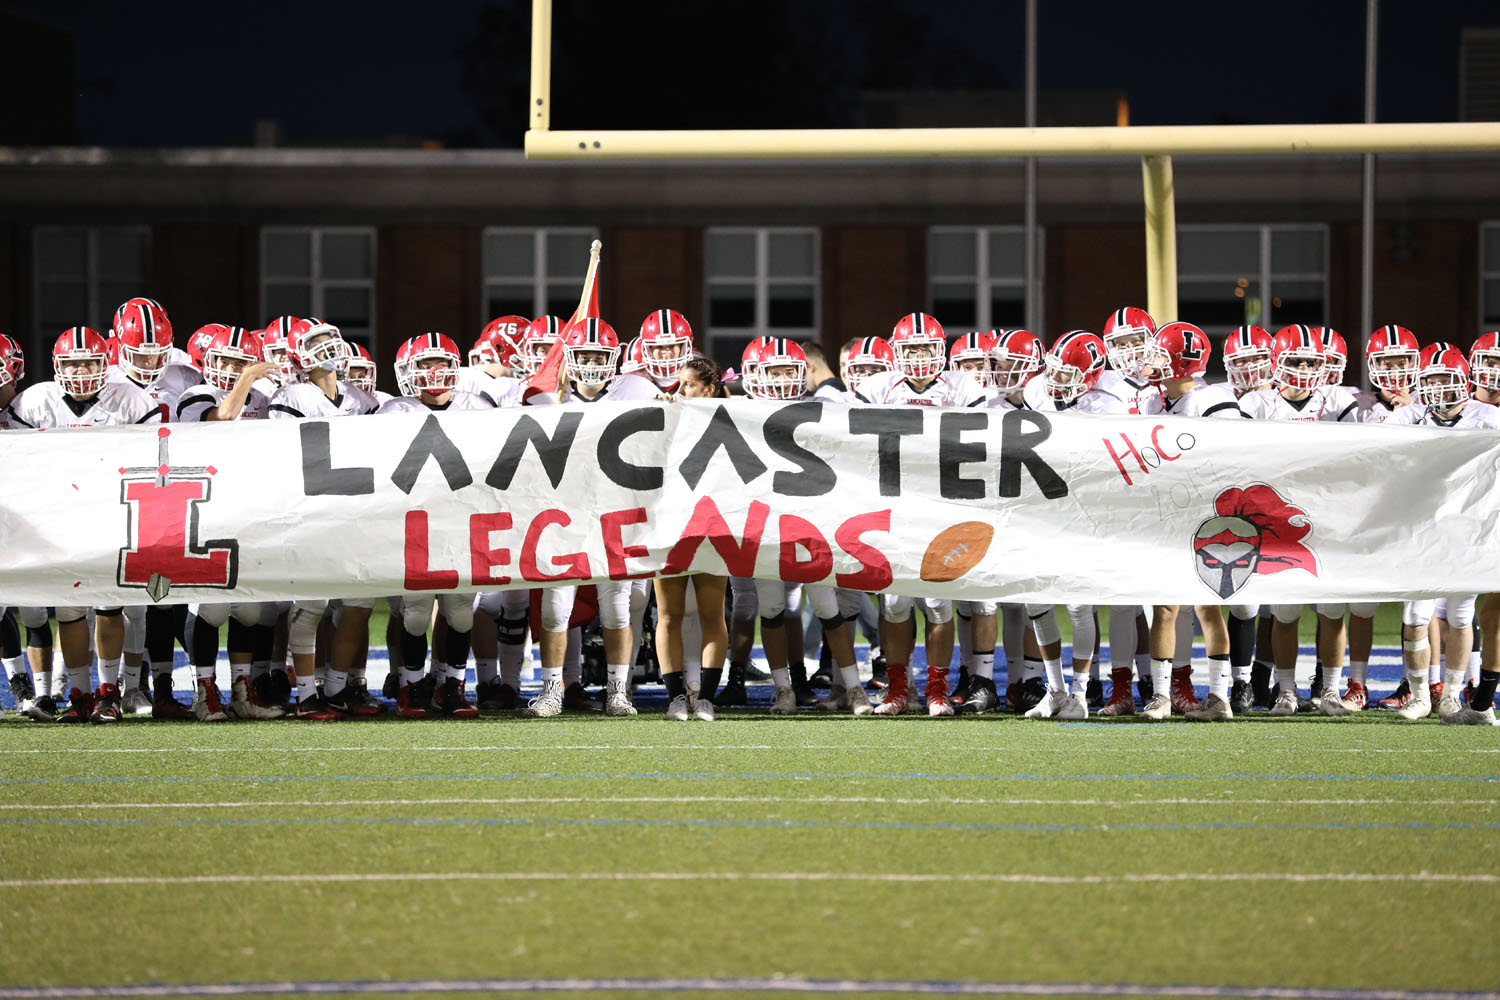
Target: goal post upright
column 1155, row 144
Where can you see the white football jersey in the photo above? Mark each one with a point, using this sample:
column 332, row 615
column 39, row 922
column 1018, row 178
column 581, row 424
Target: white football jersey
column 1370, row 407
column 1474, row 416
column 177, row 356
column 630, row 388
column 1034, row 396
column 167, row 389
column 45, row 405
column 1134, row 393
column 832, row 390
column 382, row 397
column 303, row 399
column 1199, row 401
column 199, row 400
column 265, row 387
column 1329, row 402
column 461, row 401
column 895, row 389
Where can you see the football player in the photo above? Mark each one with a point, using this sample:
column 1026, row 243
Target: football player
column 666, row 343
column 82, row 395
column 1128, row 345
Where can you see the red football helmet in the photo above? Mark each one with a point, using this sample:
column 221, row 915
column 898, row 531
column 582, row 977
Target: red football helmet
column 359, row 371
column 971, row 353
column 274, row 340
column 1484, row 361
column 1297, row 359
column 1015, row 358
column 1127, row 339
column 541, row 334
column 80, row 347
column 144, row 336
column 403, row 369
column 666, row 342
column 1073, row 365
column 774, row 368
column 12, row 361
column 235, row 346
column 198, row 343
column 312, row 344
column 499, row 341
column 1247, row 357
column 431, row 378
column 869, row 356
column 1185, row 351
column 919, row 346
column 592, row 349
column 1335, row 354
column 1443, row 381
column 1391, row 358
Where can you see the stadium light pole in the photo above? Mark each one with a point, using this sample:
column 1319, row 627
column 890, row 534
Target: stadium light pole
column 1367, row 195
column 1033, row 297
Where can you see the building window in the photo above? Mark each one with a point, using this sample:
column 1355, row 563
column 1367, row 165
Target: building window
column 760, row 283
column 1229, row 276
column 327, row 272
column 83, row 274
column 976, row 276
column 1489, row 276
column 534, row 272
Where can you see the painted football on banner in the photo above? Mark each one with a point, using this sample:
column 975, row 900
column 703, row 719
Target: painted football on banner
column 955, row 551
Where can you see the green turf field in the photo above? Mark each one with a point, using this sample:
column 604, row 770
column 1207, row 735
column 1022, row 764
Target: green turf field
column 1341, row 854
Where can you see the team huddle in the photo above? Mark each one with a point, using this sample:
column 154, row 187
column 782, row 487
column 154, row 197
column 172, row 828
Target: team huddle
column 306, row 659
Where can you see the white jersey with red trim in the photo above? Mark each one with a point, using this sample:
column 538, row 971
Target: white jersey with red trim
column 832, row 390
column 1370, row 407
column 382, row 397
column 1329, row 402
column 1034, row 397
column 948, row 388
column 1134, row 393
column 45, row 405
column 502, row 390
column 265, row 387
column 304, row 399
column 169, row 387
column 1474, row 416
column 632, row 387
column 177, row 356
column 1199, row 401
column 196, row 403
column 461, row 401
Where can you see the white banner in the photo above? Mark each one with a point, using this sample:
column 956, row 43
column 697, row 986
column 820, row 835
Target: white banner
column 1016, row 506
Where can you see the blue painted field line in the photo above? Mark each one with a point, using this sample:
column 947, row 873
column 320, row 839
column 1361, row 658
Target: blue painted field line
column 736, row 985
column 739, row 824
column 777, row 775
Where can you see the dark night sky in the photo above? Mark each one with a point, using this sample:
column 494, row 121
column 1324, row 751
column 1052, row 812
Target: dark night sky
column 189, row 73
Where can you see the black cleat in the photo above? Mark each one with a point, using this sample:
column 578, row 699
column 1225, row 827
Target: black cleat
column 1095, row 694
column 22, row 689
column 752, row 672
column 879, row 677
column 1240, row 701
column 392, row 683
column 43, row 709
column 981, row 697
column 1260, row 686
column 1146, row 686
column 821, row 678
column 1029, row 694
column 733, row 692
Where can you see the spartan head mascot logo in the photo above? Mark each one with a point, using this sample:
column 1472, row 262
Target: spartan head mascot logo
column 1253, row 531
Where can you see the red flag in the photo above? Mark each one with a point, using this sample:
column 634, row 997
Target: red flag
column 549, row 373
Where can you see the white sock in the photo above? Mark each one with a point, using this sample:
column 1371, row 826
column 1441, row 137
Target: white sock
column 1218, row 676
column 1333, row 679
column 259, row 668
column 692, row 675
column 849, row 676
column 1056, row 681
column 1242, row 672
column 1359, row 671
column 551, row 675
column 984, row 665
column 1453, row 680
column 1031, row 668
column 307, row 687
column 619, row 674
column 1161, row 676
column 78, row 679
column 412, row 675
column 1418, row 681
column 206, row 673
column 42, row 682
column 15, row 665
column 1472, row 674
column 335, row 682
column 1287, row 679
column 1434, row 671
column 320, row 673
column 109, row 671
column 459, row 673
column 1081, row 684
column 782, row 678
column 486, row 670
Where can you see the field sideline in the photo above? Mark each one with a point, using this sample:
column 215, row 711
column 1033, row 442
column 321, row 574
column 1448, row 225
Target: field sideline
column 584, row 856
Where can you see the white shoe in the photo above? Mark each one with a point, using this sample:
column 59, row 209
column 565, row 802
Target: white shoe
column 1048, row 706
column 548, row 703
column 785, row 703
column 1286, row 703
column 1332, row 704
column 1467, row 716
column 853, row 700
column 1158, row 708
column 617, row 700
column 703, row 710
column 1447, row 706
column 1417, row 708
column 678, row 710
column 133, row 701
column 240, row 704
column 1074, row 709
column 1210, row 709
column 206, row 704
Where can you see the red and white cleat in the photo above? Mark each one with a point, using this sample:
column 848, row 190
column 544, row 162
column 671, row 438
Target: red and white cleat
column 1121, row 699
column 1183, row 699
column 938, row 705
column 1356, row 697
column 896, row 700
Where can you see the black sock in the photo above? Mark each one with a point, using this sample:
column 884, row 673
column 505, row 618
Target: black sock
column 1484, row 692
column 203, row 640
column 413, row 649
column 710, row 682
column 457, row 649
column 674, row 685
column 1241, row 640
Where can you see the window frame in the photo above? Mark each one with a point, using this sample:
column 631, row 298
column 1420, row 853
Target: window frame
column 318, row 283
column 762, row 282
column 1266, row 276
column 985, row 283
column 540, row 278
column 97, row 311
column 1488, row 271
